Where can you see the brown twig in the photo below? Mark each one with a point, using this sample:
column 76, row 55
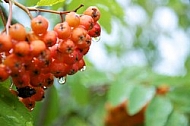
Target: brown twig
column 78, row 8
column 53, row 11
column 28, row 9
column 23, row 8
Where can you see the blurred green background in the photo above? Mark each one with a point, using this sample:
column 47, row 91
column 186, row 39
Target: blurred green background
column 144, row 44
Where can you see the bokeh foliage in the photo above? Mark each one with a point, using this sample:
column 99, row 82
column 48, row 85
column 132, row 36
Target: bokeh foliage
column 82, row 99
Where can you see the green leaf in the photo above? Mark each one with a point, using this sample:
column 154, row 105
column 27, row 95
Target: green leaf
column 139, row 97
column 177, row 119
column 158, row 111
column 13, row 112
column 6, row 83
column 106, row 20
column 47, row 110
column 48, row 2
column 30, row 2
column 110, row 9
column 119, row 92
column 79, row 92
column 75, row 120
column 180, row 97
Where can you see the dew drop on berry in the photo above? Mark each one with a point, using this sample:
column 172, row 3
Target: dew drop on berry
column 44, row 87
column 96, row 39
column 62, row 80
column 83, row 68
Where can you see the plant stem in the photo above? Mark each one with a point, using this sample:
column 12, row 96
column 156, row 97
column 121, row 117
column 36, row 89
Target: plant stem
column 23, row 8
column 53, row 11
column 78, row 8
column 28, row 9
column 9, row 17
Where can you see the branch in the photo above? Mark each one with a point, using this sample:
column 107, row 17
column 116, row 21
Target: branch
column 23, row 8
column 28, row 9
column 53, row 11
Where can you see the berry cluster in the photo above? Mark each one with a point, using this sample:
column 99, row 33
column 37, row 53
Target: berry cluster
column 32, row 59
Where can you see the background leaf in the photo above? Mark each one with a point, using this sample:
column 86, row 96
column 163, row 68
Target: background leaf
column 177, row 119
column 109, row 10
column 48, row 2
column 179, row 95
column 118, row 92
column 158, row 111
column 139, row 97
column 46, row 111
column 12, row 111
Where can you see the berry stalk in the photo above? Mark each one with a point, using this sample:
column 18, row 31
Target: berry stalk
column 9, row 17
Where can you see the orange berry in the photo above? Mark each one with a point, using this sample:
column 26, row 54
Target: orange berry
column 39, row 25
column 17, row 32
column 37, row 47
column 21, row 48
column 63, row 30
column 4, row 74
column 94, row 12
column 5, row 43
column 72, row 19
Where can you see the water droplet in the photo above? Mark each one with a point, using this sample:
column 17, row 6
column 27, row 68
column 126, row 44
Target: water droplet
column 44, row 87
column 96, row 39
column 83, row 68
column 62, row 80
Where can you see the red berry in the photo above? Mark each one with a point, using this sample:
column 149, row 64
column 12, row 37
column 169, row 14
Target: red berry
column 28, row 102
column 5, row 43
column 15, row 64
column 85, row 43
column 95, row 31
column 94, row 12
column 72, row 19
column 81, row 64
column 17, row 32
column 39, row 25
column 73, row 57
column 37, row 47
column 50, row 38
column 21, row 48
column 22, row 80
column 49, row 78
column 66, row 46
column 39, row 95
column 4, row 74
column 63, row 30
column 59, row 69
column 78, row 34
column 87, row 22
column 37, row 81
column 74, row 69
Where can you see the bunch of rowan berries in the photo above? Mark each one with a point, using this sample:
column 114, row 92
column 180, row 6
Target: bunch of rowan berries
column 32, row 59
